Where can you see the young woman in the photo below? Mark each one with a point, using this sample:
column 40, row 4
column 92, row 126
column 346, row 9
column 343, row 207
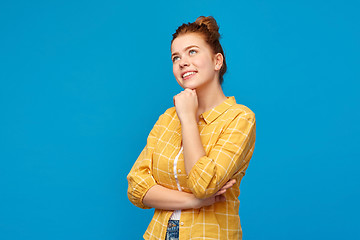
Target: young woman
column 198, row 151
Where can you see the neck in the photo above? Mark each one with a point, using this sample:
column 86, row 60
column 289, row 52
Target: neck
column 209, row 97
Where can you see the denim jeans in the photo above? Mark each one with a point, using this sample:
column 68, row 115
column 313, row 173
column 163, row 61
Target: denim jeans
column 172, row 232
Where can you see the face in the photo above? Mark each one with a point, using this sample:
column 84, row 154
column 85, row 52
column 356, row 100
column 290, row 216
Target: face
column 194, row 63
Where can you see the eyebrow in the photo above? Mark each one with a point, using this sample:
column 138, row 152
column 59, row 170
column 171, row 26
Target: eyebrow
column 191, row 46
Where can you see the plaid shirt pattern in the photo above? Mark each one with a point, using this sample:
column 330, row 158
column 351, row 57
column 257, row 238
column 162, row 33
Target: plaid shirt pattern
column 228, row 134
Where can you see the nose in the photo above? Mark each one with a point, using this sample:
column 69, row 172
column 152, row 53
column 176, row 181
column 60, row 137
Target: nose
column 184, row 62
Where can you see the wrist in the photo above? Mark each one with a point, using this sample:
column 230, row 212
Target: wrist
column 194, row 202
column 188, row 120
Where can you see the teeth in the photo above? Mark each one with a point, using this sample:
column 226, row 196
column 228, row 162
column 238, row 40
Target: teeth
column 188, row 74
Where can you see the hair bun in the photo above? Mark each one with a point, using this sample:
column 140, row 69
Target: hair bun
column 210, row 23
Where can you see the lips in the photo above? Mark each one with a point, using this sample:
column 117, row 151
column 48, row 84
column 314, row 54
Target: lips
column 188, row 74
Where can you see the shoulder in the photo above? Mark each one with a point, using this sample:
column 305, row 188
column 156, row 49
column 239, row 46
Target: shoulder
column 170, row 112
column 241, row 111
column 240, row 118
column 168, row 115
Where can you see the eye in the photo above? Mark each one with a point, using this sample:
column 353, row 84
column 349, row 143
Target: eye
column 192, row 51
column 175, row 58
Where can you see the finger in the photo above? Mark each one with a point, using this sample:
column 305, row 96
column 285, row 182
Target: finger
column 221, row 191
column 189, row 90
column 176, row 97
column 230, row 183
column 227, row 185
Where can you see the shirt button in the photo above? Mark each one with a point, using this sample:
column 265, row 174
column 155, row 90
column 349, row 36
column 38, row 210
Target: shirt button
column 182, row 188
column 148, row 171
column 179, row 171
column 182, row 223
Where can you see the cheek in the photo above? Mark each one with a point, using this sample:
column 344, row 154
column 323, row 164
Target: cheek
column 176, row 73
column 175, row 69
column 202, row 62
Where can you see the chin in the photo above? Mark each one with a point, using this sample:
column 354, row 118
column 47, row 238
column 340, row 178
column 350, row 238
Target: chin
column 189, row 86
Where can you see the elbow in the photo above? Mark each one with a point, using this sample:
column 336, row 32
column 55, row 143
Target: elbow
column 134, row 200
column 137, row 201
column 201, row 188
column 203, row 178
column 133, row 196
column 136, row 192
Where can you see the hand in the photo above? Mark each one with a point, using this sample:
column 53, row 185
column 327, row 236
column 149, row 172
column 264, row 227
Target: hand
column 186, row 105
column 227, row 185
column 198, row 203
column 217, row 197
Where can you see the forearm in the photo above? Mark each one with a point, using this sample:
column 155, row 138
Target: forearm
column 193, row 148
column 167, row 199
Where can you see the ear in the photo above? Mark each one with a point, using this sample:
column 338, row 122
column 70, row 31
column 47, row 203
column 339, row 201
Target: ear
column 219, row 59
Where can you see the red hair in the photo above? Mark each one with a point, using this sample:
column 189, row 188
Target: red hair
column 208, row 28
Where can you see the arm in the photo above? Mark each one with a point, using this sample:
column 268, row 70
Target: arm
column 210, row 172
column 167, row 199
column 144, row 192
column 186, row 104
column 140, row 178
column 193, row 148
column 207, row 173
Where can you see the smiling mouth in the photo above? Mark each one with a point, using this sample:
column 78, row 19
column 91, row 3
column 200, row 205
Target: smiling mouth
column 188, row 75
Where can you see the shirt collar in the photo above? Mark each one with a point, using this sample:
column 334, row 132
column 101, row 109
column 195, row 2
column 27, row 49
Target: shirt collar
column 215, row 112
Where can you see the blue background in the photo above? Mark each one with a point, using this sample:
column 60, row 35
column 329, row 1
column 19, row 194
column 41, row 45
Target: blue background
column 83, row 82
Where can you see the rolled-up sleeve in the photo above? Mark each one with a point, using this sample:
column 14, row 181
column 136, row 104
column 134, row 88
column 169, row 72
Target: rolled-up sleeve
column 226, row 158
column 140, row 178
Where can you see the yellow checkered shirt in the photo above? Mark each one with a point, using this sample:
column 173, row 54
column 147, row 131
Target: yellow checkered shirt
column 228, row 135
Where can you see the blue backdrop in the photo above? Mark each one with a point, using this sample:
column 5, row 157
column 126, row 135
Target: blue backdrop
column 83, row 82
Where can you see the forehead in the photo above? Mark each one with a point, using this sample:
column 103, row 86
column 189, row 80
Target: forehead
column 187, row 39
